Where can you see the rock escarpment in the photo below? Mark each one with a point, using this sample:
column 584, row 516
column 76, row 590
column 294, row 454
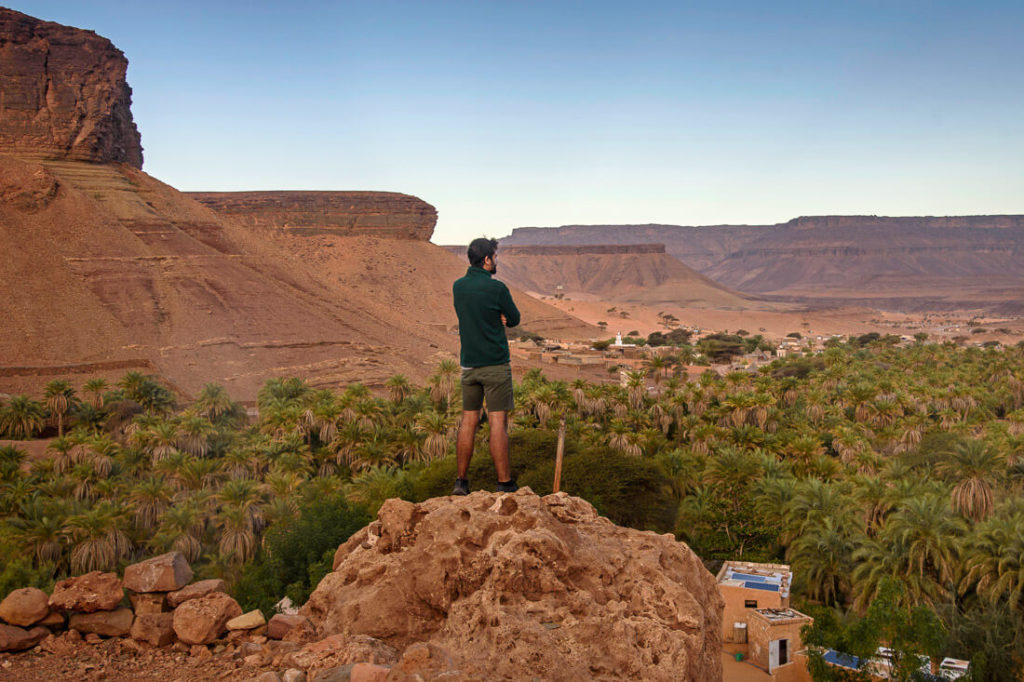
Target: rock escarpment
column 639, row 273
column 382, row 214
column 900, row 263
column 517, row 586
column 63, row 94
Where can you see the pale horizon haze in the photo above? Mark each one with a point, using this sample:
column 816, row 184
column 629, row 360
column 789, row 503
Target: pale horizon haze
column 511, row 114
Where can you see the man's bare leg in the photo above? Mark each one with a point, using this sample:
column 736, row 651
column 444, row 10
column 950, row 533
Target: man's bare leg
column 465, row 441
column 499, row 445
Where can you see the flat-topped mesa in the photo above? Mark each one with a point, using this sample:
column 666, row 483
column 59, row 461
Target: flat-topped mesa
column 567, row 249
column 63, row 94
column 381, row 214
column 582, row 250
column 907, row 222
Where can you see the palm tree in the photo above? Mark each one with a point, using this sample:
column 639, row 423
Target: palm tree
column 438, row 434
column 60, row 397
column 40, row 529
column 22, row 418
column 822, row 558
column 244, row 494
column 995, row 560
column 375, row 485
column 96, row 387
column 150, row 498
column 974, row 464
column 214, row 403
column 237, row 539
column 194, row 432
column 398, row 388
column 637, row 387
column 98, row 538
column 181, row 530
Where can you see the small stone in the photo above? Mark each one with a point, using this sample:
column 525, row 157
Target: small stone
column 341, row 673
column 254, row 660
column 293, row 675
column 281, row 624
column 148, row 602
column 163, row 573
column 247, row 621
column 54, row 620
column 25, row 607
column 13, row 638
column 249, row 648
column 269, row 676
column 200, row 651
column 369, row 672
column 93, row 638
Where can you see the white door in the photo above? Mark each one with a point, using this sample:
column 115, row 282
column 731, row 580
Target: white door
column 773, row 655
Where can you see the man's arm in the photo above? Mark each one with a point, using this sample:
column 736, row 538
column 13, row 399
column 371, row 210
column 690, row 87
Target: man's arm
column 509, row 309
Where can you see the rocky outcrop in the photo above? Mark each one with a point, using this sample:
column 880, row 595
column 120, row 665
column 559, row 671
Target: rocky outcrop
column 382, row 214
column 64, row 94
column 518, row 586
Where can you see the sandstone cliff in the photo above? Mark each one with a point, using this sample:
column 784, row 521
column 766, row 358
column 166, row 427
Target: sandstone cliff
column 893, row 263
column 638, row 273
column 382, row 214
column 515, row 586
column 63, row 94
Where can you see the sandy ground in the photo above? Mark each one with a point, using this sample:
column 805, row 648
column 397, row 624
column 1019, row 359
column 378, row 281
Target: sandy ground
column 776, row 324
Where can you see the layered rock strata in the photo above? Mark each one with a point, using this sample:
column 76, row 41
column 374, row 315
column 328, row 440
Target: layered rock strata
column 383, row 214
column 64, row 94
column 927, row 262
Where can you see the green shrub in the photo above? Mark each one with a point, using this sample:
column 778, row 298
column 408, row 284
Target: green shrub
column 630, row 491
column 298, row 553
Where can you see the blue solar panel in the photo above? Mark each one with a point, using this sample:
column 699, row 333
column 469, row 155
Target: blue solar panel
column 748, row 576
column 761, row 586
column 841, row 659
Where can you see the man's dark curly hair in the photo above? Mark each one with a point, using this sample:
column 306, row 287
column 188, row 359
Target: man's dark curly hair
column 481, row 248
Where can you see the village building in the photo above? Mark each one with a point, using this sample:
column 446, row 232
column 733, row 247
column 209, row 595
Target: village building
column 758, row 624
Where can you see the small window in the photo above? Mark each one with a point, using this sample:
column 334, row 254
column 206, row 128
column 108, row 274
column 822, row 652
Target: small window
column 750, row 604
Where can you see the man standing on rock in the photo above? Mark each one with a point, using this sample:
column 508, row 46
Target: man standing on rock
column 484, row 306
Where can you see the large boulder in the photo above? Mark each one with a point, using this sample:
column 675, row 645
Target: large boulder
column 18, row 639
column 88, row 593
column 202, row 620
column 194, row 591
column 25, row 607
column 64, row 93
column 117, row 623
column 519, row 586
column 164, row 573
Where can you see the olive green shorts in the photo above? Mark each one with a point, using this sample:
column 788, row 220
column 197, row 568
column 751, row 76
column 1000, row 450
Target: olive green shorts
column 493, row 382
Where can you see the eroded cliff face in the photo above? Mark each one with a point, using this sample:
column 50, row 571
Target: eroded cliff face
column 63, row 94
column 381, row 214
column 897, row 263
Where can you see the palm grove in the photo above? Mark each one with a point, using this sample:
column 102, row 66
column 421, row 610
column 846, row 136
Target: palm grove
column 873, row 469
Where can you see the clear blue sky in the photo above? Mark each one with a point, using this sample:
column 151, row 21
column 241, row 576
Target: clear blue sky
column 505, row 114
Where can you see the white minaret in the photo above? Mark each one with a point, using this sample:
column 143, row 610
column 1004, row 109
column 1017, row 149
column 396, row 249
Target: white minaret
column 618, row 338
